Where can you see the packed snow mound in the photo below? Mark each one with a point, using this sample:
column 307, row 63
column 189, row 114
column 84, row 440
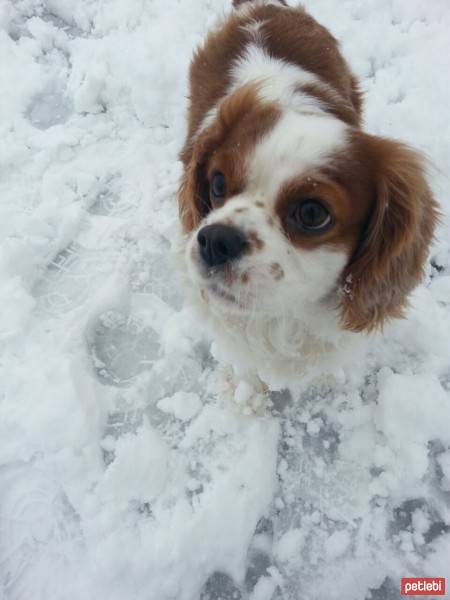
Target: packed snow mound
column 124, row 472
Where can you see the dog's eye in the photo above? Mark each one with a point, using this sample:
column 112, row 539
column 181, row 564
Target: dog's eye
column 218, row 187
column 311, row 215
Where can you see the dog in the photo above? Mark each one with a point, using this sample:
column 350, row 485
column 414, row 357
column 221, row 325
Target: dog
column 300, row 231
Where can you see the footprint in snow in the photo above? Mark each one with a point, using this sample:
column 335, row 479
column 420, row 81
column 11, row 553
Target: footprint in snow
column 121, row 348
column 49, row 108
column 40, row 534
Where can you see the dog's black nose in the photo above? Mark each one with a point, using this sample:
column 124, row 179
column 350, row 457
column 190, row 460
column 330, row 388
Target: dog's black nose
column 219, row 244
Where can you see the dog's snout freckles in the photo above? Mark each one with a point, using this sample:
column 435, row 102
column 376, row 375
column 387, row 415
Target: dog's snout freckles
column 247, row 214
column 234, row 248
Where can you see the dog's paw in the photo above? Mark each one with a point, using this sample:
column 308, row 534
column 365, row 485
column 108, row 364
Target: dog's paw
column 246, row 392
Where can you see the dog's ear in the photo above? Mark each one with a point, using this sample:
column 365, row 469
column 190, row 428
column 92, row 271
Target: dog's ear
column 193, row 193
column 389, row 260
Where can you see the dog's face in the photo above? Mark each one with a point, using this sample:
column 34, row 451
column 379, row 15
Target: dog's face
column 286, row 212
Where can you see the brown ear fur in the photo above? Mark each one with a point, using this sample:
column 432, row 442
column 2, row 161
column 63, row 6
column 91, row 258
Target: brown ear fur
column 389, row 261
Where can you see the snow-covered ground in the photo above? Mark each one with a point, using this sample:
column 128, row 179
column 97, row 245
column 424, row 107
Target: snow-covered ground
column 123, row 474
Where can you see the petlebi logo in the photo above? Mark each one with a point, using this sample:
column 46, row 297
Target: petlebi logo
column 423, row 586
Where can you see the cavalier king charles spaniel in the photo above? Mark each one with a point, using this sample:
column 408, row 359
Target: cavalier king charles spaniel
column 300, row 230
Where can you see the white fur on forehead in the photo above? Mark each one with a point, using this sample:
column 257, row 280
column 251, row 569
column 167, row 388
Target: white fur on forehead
column 254, row 29
column 278, row 80
column 296, row 145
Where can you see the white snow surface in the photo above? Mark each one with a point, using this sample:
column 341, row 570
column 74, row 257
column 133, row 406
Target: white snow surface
column 110, row 487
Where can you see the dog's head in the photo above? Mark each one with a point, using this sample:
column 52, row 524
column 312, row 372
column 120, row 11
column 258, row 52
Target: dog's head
column 285, row 211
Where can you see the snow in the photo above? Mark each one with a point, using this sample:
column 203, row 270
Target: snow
column 138, row 472
column 125, row 472
column 182, row 405
column 337, row 544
